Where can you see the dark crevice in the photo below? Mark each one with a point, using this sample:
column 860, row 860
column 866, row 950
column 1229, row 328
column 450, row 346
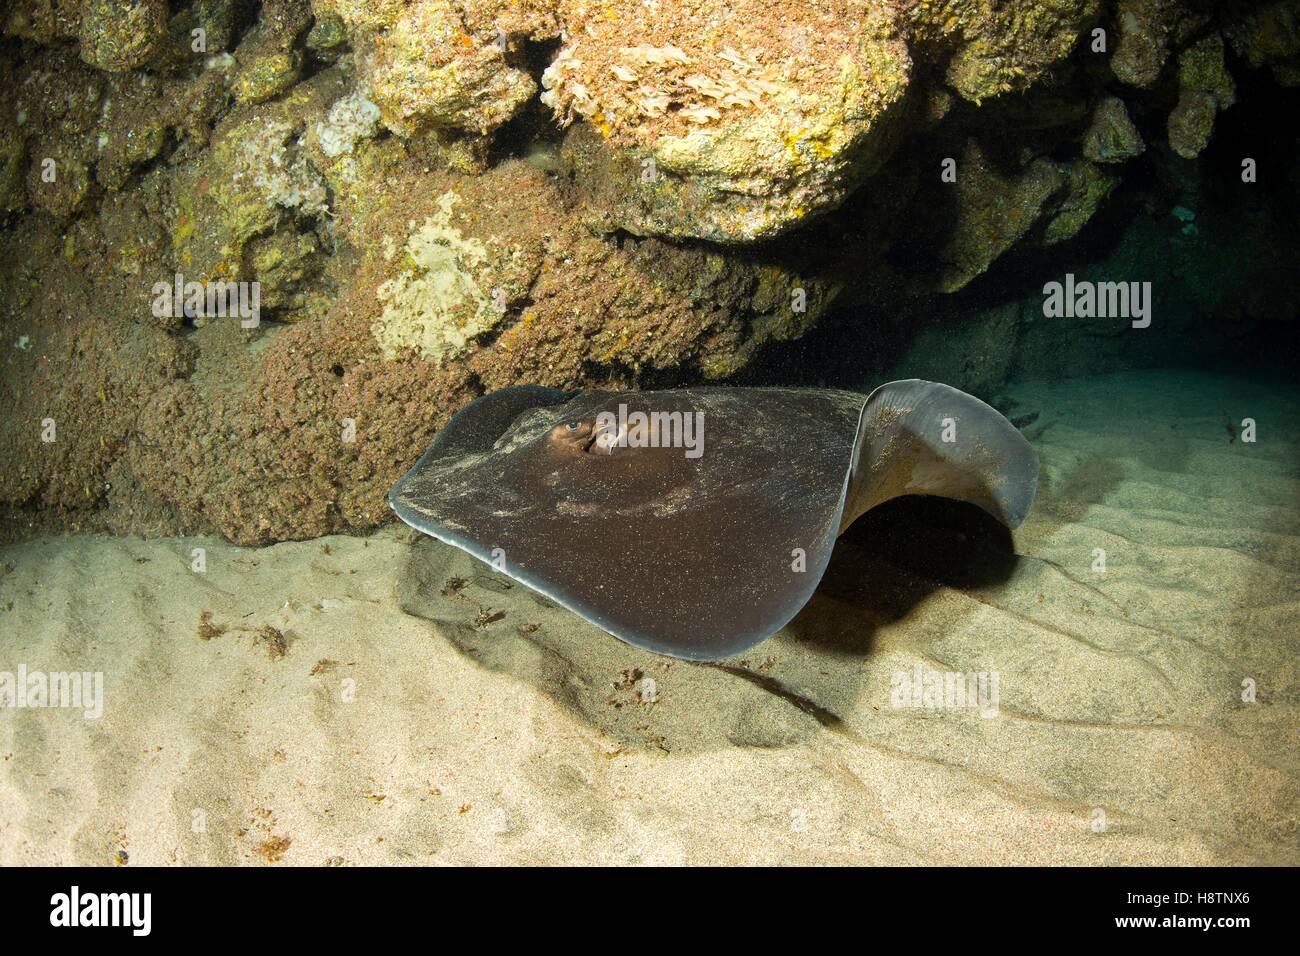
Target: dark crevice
column 535, row 122
column 840, row 352
column 245, row 20
column 508, row 320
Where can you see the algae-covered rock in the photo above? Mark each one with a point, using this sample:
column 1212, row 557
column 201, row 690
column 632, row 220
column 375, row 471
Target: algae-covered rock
column 738, row 123
column 990, row 211
column 286, row 263
column 86, row 366
column 55, row 102
column 119, row 35
column 268, row 75
column 1142, row 46
column 220, row 21
column 132, row 129
column 256, row 207
column 728, row 123
column 200, row 31
column 438, row 64
column 1201, row 67
column 42, row 21
column 269, row 63
column 131, row 222
column 428, row 73
column 13, row 193
column 57, row 182
column 253, row 179
column 1268, row 36
column 999, row 46
column 1148, row 30
column 596, row 310
column 438, row 301
column 327, row 37
column 1191, row 123
column 1086, row 186
column 1111, row 136
column 1205, row 87
column 195, row 105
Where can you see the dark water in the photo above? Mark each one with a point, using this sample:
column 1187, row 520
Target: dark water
column 1222, row 257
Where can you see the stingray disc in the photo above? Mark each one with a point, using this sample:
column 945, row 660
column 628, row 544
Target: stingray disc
column 697, row 532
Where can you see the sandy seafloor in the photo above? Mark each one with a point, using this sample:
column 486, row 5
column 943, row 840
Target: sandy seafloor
column 404, row 725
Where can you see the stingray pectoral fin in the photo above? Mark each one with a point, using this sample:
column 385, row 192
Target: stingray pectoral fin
column 925, row 438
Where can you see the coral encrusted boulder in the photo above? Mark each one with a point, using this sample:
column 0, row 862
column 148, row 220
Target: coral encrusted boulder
column 727, row 121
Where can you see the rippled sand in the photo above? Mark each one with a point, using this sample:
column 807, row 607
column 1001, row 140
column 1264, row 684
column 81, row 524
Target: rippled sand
column 420, row 709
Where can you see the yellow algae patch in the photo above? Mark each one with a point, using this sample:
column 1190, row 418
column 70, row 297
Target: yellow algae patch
column 435, row 305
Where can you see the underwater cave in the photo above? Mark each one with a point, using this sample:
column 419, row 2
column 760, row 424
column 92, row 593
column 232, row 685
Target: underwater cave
column 853, row 432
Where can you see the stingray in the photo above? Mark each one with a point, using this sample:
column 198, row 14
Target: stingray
column 697, row 522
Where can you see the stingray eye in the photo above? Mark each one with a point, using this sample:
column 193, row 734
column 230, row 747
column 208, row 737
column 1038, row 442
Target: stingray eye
column 572, row 426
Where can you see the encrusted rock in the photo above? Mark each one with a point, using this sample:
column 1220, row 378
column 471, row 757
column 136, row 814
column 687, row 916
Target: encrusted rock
column 13, row 194
column 1086, row 186
column 268, row 75
column 442, row 297
column 1000, row 46
column 437, row 64
column 1201, row 67
column 1112, row 137
column 92, row 364
column 119, row 35
column 991, row 211
column 268, row 62
column 1142, row 46
column 42, row 21
column 1205, row 88
column 55, row 101
column 327, row 37
column 257, row 183
column 132, row 129
column 136, row 246
column 286, row 263
column 58, row 183
column 199, row 31
column 1268, row 36
column 1192, row 123
column 724, row 122
column 1148, row 30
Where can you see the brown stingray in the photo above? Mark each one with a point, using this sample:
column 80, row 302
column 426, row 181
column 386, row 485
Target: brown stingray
column 700, row 552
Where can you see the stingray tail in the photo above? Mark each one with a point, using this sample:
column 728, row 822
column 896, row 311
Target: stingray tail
column 924, row 438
